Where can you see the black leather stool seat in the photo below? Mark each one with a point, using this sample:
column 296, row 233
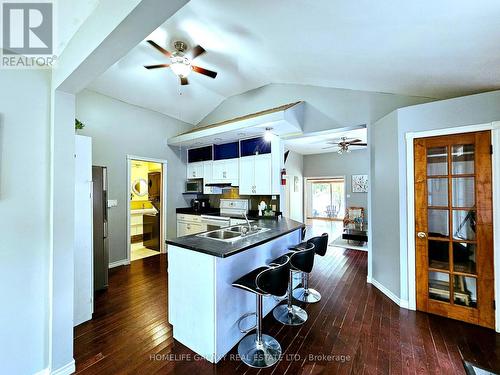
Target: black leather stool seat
column 259, row 350
column 306, row 294
column 249, row 281
column 281, row 260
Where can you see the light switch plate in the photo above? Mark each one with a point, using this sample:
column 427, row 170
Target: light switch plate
column 112, row 203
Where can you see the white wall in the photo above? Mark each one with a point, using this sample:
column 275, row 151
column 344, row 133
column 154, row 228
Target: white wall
column 294, row 167
column 384, row 188
column 118, row 129
column 24, row 220
column 325, row 108
column 334, row 165
column 389, row 256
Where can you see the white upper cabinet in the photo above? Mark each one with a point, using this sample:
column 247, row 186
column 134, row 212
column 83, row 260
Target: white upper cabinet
column 195, row 170
column 247, row 175
column 256, row 175
column 263, row 175
column 256, row 171
column 207, row 172
column 226, row 171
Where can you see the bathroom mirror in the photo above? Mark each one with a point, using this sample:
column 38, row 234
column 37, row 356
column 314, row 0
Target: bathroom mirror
column 140, row 187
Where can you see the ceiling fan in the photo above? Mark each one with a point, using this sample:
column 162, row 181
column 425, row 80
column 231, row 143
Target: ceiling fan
column 181, row 61
column 343, row 143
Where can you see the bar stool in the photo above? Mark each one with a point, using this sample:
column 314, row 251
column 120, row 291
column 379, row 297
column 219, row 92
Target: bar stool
column 256, row 349
column 306, row 294
column 302, row 261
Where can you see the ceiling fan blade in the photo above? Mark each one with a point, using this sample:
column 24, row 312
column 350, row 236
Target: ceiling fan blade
column 358, row 144
column 196, row 51
column 157, row 66
column 184, row 81
column 355, row 141
column 160, row 48
column 204, row 71
column 324, row 148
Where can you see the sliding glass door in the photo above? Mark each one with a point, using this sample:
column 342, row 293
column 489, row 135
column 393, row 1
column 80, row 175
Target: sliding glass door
column 327, row 199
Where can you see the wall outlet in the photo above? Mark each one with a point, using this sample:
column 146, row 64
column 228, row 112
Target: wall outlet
column 112, row 203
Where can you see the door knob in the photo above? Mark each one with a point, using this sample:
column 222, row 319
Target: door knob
column 421, row 235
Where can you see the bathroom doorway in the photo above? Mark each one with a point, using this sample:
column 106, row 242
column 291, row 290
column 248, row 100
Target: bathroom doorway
column 146, row 216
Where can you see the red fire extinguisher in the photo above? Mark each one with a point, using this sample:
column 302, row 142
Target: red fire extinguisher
column 283, row 174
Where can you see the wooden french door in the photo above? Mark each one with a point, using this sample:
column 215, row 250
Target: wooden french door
column 454, row 227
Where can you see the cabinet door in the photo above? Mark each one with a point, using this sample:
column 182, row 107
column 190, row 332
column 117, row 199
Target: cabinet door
column 194, row 228
column 232, row 171
column 195, row 170
column 182, row 229
column 246, row 175
column 219, row 170
column 263, row 174
column 207, row 172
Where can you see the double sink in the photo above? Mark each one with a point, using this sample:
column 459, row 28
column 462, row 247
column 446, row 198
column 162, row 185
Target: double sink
column 233, row 233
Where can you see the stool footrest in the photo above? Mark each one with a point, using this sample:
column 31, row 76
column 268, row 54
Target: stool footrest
column 243, row 317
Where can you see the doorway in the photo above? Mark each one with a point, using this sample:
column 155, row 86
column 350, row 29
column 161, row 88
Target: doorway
column 325, row 205
column 146, row 208
column 454, row 227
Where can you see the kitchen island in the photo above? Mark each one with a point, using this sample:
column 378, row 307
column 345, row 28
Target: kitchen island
column 203, row 307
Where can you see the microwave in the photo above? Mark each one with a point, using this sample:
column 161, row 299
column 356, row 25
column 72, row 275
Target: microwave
column 194, row 185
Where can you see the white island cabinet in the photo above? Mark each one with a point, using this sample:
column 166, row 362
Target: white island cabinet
column 203, row 306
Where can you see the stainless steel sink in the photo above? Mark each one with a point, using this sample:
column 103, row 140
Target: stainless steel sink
column 242, row 228
column 220, row 235
column 232, row 234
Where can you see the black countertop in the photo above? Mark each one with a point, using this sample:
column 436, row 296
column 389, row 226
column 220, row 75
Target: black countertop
column 223, row 249
column 252, row 214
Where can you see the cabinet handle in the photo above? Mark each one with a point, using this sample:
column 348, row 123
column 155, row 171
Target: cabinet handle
column 224, row 174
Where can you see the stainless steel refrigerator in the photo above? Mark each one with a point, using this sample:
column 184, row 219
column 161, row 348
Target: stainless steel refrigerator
column 100, row 218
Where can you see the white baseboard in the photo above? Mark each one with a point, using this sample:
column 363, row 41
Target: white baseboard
column 123, row 262
column 394, row 298
column 65, row 370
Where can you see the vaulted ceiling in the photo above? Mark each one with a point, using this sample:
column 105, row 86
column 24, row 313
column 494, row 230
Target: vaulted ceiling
column 428, row 48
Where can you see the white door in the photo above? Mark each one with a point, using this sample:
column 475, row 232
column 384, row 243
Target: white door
column 263, row 174
column 247, row 172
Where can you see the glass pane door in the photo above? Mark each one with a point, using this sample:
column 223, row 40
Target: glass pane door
column 328, row 199
column 451, row 217
column 453, row 225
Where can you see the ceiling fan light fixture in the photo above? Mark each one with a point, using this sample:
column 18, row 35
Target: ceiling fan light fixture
column 180, row 66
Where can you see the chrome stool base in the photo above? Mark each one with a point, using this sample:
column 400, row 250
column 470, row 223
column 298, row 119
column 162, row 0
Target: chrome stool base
column 265, row 354
column 290, row 317
column 308, row 296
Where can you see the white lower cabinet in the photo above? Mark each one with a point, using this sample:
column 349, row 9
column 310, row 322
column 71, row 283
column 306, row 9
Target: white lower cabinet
column 256, row 175
column 185, row 229
column 189, row 224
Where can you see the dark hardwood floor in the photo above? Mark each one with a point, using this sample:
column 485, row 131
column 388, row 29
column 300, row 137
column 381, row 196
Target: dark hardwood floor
column 353, row 329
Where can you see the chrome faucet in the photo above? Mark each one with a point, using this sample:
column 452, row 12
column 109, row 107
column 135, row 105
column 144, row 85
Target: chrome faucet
column 248, row 222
